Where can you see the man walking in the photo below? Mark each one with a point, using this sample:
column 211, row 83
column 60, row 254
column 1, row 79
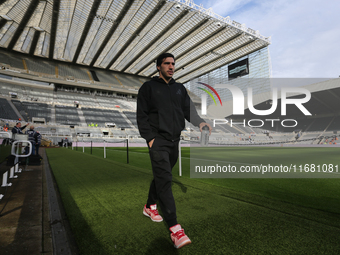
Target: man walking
column 162, row 107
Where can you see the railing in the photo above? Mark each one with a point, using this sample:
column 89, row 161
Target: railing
column 14, row 169
column 8, row 134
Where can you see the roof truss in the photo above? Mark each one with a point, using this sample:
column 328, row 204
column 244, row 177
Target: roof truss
column 127, row 35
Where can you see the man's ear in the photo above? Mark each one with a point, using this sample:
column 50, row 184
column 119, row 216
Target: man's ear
column 158, row 68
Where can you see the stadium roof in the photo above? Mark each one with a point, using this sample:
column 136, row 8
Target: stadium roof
column 126, row 35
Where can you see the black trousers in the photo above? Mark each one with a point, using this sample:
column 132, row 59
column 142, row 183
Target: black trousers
column 163, row 155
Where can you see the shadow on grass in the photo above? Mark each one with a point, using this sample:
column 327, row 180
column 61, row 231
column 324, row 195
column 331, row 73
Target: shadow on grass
column 180, row 184
column 86, row 239
column 161, row 246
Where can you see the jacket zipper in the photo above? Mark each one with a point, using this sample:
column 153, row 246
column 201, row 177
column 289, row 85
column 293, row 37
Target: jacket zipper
column 173, row 120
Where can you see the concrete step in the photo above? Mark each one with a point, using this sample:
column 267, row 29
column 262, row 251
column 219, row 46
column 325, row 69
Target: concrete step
column 14, row 108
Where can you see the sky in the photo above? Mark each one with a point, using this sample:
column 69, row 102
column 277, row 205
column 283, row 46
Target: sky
column 305, row 34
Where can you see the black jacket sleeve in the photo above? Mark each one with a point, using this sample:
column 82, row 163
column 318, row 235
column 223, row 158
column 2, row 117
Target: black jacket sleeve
column 143, row 109
column 22, row 128
column 190, row 112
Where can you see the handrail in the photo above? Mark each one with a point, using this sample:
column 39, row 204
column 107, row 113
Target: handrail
column 7, row 133
column 18, row 155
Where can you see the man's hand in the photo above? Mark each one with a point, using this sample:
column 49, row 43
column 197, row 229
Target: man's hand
column 151, row 142
column 202, row 124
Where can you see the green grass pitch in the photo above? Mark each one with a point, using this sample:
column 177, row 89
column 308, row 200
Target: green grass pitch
column 103, row 199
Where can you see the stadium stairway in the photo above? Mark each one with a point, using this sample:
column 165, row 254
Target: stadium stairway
column 307, row 128
column 81, row 117
column 14, row 108
column 330, row 123
column 127, row 119
column 53, row 118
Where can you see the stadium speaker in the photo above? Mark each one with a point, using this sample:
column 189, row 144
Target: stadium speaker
column 335, row 132
column 71, row 126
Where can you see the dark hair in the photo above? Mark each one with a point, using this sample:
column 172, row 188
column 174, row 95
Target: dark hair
column 162, row 57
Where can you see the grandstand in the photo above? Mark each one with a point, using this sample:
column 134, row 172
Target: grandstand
column 6, row 110
column 58, row 108
column 77, row 84
column 80, row 106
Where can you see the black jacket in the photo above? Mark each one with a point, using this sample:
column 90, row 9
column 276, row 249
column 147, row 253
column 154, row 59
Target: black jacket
column 38, row 138
column 162, row 109
column 32, row 136
column 17, row 130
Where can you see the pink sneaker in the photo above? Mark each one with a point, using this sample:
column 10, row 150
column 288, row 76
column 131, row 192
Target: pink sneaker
column 152, row 212
column 178, row 237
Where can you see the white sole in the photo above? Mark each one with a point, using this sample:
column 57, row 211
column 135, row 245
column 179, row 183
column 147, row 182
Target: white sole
column 183, row 244
column 147, row 215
